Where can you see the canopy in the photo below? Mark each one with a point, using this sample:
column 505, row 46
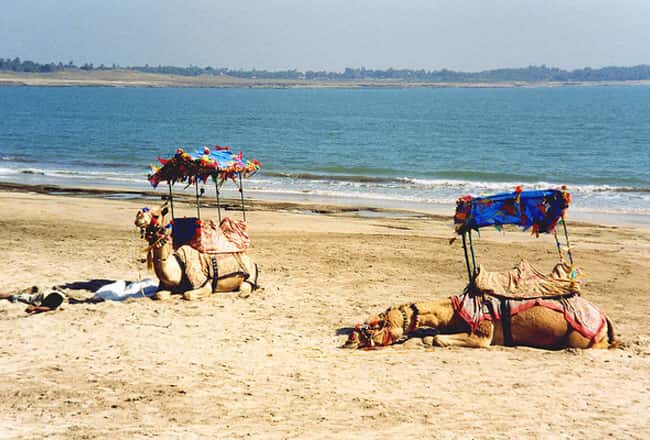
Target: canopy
column 216, row 162
column 539, row 209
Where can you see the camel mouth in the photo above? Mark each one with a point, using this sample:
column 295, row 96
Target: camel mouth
column 351, row 345
column 359, row 338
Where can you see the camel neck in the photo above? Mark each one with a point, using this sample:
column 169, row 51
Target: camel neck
column 436, row 314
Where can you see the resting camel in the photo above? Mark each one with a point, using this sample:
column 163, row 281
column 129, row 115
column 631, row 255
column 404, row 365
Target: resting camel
column 537, row 326
column 187, row 271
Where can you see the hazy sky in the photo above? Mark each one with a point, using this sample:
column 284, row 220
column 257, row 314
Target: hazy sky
column 329, row 34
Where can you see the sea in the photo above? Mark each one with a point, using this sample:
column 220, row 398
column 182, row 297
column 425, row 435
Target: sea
column 409, row 148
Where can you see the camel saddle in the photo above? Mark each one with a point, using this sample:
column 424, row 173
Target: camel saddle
column 525, row 282
column 209, row 237
column 580, row 314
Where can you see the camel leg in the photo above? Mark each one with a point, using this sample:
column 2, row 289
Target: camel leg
column 576, row 340
column 462, row 340
column 247, row 287
column 201, row 292
column 162, row 295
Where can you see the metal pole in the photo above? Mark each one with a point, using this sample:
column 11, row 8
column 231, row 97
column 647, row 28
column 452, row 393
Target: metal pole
column 216, row 186
column 196, row 187
column 559, row 246
column 471, row 248
column 568, row 245
column 469, row 272
column 171, row 199
column 241, row 195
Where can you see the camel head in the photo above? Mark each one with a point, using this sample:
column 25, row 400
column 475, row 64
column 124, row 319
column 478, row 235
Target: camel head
column 375, row 332
column 152, row 224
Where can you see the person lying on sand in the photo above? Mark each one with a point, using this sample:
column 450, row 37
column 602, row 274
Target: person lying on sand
column 39, row 301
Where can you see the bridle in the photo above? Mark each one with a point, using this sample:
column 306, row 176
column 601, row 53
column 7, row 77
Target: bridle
column 152, row 230
column 408, row 325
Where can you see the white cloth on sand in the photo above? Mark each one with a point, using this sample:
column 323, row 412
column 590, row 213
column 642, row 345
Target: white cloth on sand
column 120, row 290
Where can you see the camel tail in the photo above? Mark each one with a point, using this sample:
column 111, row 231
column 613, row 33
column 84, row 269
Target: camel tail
column 611, row 337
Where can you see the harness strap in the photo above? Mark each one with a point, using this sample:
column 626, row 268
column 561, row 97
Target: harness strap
column 506, row 322
column 407, row 326
column 405, row 321
column 235, row 274
column 215, row 272
column 253, row 283
column 416, row 316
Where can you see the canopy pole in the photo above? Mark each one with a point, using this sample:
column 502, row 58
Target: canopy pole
column 241, row 195
column 171, row 199
column 471, row 247
column 559, row 246
column 216, row 185
column 198, row 209
column 469, row 272
column 568, row 245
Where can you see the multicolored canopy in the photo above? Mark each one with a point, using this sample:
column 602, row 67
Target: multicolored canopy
column 539, row 209
column 216, row 162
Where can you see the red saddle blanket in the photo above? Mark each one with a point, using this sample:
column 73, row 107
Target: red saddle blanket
column 580, row 314
column 229, row 237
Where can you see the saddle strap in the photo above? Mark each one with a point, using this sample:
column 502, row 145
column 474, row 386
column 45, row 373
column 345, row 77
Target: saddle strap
column 215, row 271
column 506, row 322
column 253, row 283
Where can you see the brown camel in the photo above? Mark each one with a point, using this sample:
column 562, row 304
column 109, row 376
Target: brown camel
column 537, row 326
column 187, row 271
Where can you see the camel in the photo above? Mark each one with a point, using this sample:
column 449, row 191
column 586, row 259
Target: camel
column 537, row 326
column 187, row 271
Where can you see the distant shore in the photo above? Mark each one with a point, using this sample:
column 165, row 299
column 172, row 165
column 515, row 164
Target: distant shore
column 129, row 78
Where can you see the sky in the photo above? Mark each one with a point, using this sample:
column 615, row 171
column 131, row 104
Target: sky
column 467, row 35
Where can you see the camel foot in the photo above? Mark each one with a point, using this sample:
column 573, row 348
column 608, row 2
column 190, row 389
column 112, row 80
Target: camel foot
column 245, row 290
column 162, row 295
column 243, row 294
column 201, row 292
column 437, row 341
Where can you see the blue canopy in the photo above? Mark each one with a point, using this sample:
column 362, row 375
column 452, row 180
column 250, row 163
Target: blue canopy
column 218, row 162
column 539, row 209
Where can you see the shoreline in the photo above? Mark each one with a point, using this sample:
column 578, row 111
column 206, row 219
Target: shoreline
column 187, row 200
column 122, row 78
column 348, row 207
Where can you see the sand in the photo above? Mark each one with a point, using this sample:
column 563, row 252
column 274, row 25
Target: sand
column 269, row 367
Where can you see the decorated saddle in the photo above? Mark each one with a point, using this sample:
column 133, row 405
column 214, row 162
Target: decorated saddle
column 209, row 237
column 525, row 281
column 497, row 296
column 581, row 315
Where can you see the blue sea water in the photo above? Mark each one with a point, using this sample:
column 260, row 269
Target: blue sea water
column 414, row 147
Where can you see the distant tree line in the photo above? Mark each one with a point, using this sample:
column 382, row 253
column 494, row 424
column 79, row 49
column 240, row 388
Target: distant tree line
column 525, row 74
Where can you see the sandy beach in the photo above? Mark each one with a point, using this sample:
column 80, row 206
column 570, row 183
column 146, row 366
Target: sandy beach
column 269, row 366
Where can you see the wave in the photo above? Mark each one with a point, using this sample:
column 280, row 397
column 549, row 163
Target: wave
column 462, row 184
column 333, row 177
column 76, row 174
column 17, row 159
